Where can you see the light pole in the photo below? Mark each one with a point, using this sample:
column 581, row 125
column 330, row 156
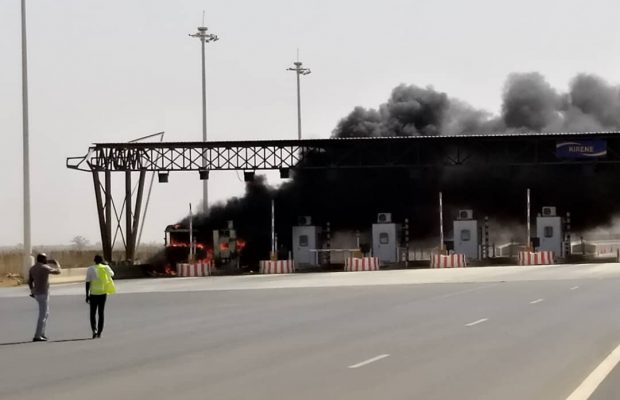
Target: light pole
column 26, row 156
column 204, row 38
column 299, row 70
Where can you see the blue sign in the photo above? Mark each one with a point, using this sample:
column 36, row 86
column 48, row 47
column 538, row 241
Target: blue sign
column 581, row 149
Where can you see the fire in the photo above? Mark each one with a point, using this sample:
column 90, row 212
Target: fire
column 240, row 245
column 207, row 258
column 177, row 243
column 168, row 271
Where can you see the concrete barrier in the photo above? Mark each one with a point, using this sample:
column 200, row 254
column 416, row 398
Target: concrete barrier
column 536, row 258
column 361, row 264
column 195, row 269
column 276, row 267
column 449, row 261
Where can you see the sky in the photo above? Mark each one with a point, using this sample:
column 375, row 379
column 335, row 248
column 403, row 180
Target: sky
column 115, row 70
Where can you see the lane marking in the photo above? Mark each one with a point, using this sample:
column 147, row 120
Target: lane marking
column 574, row 287
column 370, row 360
column 452, row 294
column 589, row 385
column 477, row 322
column 536, row 301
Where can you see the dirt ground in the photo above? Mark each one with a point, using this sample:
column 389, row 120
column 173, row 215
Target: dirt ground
column 10, row 280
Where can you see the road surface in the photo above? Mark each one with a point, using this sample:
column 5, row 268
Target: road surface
column 477, row 333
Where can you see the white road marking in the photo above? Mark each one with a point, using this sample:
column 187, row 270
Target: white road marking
column 574, row 287
column 536, row 301
column 589, row 385
column 477, row 322
column 370, row 360
column 452, row 294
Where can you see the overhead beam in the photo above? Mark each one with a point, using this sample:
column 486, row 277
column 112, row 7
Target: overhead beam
column 406, row 152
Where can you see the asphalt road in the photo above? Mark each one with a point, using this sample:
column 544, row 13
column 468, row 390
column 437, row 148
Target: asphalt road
column 486, row 333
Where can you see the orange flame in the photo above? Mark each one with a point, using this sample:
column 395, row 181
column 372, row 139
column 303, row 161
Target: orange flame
column 177, row 243
column 169, row 271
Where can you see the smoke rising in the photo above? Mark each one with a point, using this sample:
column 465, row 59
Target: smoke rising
column 529, row 104
column 350, row 199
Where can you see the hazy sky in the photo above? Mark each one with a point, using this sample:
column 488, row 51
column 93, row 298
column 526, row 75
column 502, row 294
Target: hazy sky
column 115, row 70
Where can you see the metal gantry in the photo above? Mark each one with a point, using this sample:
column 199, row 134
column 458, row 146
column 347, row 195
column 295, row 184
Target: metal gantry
column 413, row 153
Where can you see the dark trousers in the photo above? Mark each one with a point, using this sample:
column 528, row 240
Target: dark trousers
column 97, row 306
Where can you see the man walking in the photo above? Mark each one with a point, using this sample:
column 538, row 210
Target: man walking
column 38, row 281
column 99, row 284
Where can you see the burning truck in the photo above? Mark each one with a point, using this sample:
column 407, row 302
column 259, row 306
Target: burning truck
column 224, row 249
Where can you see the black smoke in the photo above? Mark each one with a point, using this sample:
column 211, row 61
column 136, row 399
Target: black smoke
column 530, row 104
column 350, row 199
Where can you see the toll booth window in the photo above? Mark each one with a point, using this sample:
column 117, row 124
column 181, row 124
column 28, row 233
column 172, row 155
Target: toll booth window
column 548, row 231
column 303, row 241
column 465, row 235
column 384, row 238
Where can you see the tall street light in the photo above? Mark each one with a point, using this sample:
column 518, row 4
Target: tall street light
column 204, row 38
column 26, row 156
column 299, row 70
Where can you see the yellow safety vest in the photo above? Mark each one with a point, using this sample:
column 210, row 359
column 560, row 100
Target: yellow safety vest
column 104, row 283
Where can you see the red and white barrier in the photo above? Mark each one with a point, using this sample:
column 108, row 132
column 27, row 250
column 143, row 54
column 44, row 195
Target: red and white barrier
column 361, row 264
column 449, row 261
column 606, row 251
column 276, row 267
column 537, row 258
column 197, row 269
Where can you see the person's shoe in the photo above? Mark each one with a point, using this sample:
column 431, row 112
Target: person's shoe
column 43, row 337
column 94, row 334
column 98, row 335
column 39, row 339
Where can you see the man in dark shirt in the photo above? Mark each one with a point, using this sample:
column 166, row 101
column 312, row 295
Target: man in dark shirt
column 38, row 281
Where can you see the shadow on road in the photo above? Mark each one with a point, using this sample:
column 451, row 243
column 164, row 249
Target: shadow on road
column 70, row 340
column 49, row 341
column 12, row 343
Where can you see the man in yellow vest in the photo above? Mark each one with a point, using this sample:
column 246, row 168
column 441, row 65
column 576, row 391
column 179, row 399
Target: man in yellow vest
column 99, row 284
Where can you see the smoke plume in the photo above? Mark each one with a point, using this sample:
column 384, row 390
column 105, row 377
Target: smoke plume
column 529, row 104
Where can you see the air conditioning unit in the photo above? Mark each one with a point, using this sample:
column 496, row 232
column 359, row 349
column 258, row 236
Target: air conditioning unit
column 548, row 212
column 384, row 218
column 465, row 215
column 304, row 221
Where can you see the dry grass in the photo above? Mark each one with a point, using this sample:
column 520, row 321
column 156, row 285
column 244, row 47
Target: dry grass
column 10, row 280
column 11, row 260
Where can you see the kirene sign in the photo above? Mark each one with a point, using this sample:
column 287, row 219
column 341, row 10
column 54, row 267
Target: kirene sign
column 581, row 149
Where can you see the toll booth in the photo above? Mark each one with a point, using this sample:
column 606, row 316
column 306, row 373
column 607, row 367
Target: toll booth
column 467, row 235
column 227, row 247
column 549, row 231
column 225, row 242
column 385, row 238
column 306, row 237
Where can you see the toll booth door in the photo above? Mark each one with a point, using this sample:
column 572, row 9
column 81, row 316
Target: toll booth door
column 385, row 247
column 302, row 252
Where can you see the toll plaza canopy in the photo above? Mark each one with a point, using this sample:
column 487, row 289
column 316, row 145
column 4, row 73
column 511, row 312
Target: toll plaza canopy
column 375, row 152
column 410, row 152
